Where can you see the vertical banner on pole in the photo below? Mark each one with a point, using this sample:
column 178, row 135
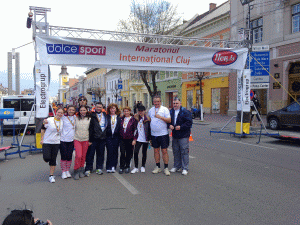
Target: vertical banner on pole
column 42, row 89
column 243, row 102
column 41, row 73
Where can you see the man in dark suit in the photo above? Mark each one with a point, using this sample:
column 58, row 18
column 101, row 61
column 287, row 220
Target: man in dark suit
column 97, row 136
column 181, row 124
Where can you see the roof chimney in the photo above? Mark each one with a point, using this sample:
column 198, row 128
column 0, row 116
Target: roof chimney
column 212, row 6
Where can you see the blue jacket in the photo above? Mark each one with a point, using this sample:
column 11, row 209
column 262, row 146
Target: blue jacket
column 184, row 120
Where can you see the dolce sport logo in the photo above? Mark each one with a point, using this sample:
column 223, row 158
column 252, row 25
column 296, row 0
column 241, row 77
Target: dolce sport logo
column 75, row 49
column 224, row 58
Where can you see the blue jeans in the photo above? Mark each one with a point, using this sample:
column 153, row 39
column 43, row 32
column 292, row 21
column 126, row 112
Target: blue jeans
column 98, row 147
column 181, row 153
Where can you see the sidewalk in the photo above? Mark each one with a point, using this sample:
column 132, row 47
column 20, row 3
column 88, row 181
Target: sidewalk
column 220, row 120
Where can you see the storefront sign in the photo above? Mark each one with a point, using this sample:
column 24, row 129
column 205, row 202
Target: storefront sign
column 137, row 56
column 171, row 86
column 276, row 85
column 190, row 85
column 259, row 85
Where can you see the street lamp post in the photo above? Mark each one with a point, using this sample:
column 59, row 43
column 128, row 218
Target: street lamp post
column 200, row 76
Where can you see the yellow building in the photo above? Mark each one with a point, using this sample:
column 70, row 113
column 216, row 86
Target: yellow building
column 214, row 94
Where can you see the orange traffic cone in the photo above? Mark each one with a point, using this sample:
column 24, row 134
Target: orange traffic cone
column 191, row 137
column 170, row 134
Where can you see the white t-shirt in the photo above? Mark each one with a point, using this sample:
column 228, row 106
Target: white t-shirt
column 68, row 131
column 141, row 131
column 53, row 131
column 176, row 115
column 158, row 126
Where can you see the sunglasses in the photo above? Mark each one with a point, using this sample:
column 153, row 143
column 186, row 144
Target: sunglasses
column 82, row 99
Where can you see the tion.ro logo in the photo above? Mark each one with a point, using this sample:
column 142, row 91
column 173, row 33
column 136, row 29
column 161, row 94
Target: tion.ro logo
column 75, row 49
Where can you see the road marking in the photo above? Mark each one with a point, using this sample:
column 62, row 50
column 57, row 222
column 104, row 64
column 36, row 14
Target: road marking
column 247, row 144
column 191, row 157
column 129, row 187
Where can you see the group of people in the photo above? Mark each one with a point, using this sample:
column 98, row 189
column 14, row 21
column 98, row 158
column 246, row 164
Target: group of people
column 91, row 133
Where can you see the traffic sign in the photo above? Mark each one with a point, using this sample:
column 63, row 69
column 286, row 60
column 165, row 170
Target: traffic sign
column 120, row 86
column 259, row 64
column 120, row 98
column 251, row 94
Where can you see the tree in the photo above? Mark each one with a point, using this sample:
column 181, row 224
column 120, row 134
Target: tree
column 150, row 17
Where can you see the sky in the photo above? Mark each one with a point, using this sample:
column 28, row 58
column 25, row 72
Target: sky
column 92, row 14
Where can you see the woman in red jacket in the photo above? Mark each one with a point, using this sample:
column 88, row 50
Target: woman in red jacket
column 128, row 126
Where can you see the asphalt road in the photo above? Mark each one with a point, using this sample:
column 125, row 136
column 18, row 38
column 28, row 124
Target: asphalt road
column 231, row 181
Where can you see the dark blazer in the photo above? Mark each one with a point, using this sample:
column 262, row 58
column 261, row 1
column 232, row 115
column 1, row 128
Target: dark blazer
column 146, row 127
column 131, row 126
column 117, row 129
column 184, row 120
column 95, row 131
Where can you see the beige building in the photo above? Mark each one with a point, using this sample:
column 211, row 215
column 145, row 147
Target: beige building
column 94, row 85
column 275, row 25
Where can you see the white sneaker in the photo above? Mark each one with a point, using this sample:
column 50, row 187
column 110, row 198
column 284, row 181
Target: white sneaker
column 68, row 174
column 184, row 172
column 143, row 170
column 87, row 173
column 113, row 170
column 52, row 179
column 156, row 170
column 64, row 175
column 173, row 170
column 167, row 172
column 135, row 170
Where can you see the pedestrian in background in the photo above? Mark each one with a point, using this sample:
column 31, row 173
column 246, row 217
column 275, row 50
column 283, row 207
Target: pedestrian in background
column 82, row 101
column 50, row 139
column 112, row 137
column 97, row 133
column 67, row 141
column 255, row 107
column 160, row 117
column 141, row 138
column 81, row 141
column 181, row 124
column 128, row 126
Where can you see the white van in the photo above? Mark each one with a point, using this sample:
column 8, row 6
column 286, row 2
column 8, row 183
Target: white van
column 22, row 105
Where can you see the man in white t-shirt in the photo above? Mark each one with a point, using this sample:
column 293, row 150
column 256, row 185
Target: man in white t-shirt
column 160, row 117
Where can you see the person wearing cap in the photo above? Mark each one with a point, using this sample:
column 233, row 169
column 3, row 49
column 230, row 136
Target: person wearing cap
column 181, row 124
column 141, row 138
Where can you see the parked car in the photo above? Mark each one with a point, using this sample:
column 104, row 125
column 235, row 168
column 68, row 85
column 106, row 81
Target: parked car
column 287, row 116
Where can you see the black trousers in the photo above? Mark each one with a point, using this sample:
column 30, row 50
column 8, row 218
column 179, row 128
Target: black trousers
column 144, row 153
column 50, row 152
column 126, row 150
column 66, row 150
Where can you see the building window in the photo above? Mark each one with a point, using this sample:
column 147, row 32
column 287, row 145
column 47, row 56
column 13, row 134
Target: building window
column 257, row 30
column 167, row 74
column 175, row 74
column 296, row 18
column 158, row 76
